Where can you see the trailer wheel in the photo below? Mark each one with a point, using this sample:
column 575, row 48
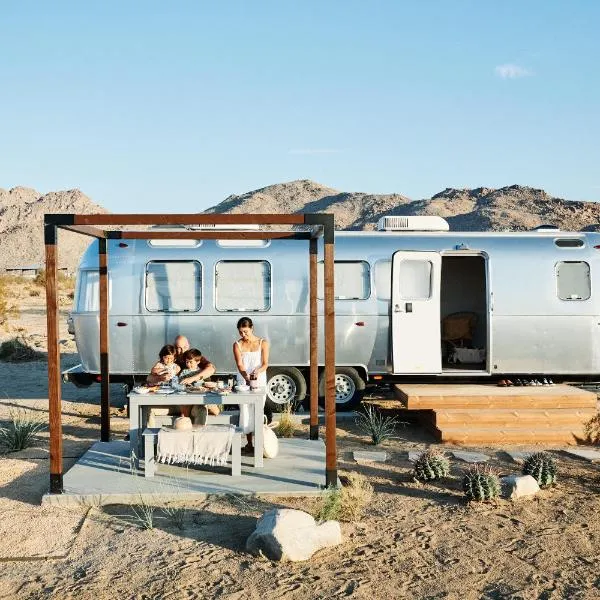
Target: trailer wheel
column 349, row 388
column 284, row 385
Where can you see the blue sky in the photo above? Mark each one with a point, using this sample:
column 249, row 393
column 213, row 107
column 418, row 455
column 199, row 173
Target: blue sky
column 170, row 107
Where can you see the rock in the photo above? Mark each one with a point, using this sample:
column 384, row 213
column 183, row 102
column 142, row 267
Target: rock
column 585, row 453
column 518, row 486
column 519, row 456
column 413, row 455
column 287, row 534
column 470, row 457
column 365, row 456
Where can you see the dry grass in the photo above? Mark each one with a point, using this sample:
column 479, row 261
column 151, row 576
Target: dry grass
column 17, row 349
column 7, row 309
column 286, row 426
column 347, row 503
column 592, row 430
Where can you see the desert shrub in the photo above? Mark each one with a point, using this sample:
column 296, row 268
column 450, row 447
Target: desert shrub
column 347, row 503
column 7, row 309
column 592, row 430
column 20, row 431
column 481, row 482
column 18, row 350
column 143, row 513
column 175, row 513
column 431, row 465
column 286, row 426
column 34, row 293
column 377, row 426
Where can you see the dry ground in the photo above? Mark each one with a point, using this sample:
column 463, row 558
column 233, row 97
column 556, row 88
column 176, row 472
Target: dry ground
column 416, row 541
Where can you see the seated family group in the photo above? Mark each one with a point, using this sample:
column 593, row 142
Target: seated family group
column 251, row 354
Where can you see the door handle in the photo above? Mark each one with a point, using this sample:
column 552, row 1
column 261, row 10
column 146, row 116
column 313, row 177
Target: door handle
column 121, row 324
column 397, row 308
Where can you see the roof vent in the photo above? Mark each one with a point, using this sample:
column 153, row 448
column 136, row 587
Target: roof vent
column 546, row 228
column 412, row 224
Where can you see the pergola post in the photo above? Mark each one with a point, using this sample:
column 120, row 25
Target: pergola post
column 104, row 364
column 329, row 334
column 313, row 342
column 54, row 389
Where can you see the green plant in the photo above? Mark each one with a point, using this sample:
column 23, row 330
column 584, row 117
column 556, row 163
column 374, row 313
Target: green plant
column 481, row 482
column 431, row 465
column 143, row 513
column 18, row 350
column 286, row 426
column 176, row 513
column 20, row 431
column 331, row 504
column 541, row 467
column 376, row 425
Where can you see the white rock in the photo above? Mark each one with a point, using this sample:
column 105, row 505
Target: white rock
column 470, row 457
column 518, row 486
column 587, row 454
column 287, row 534
column 413, row 455
column 365, row 456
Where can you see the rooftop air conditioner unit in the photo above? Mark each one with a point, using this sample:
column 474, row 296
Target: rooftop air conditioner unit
column 412, row 224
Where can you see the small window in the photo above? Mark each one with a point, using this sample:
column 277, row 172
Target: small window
column 243, row 243
column 175, row 243
column 414, row 279
column 351, row 280
column 243, row 285
column 88, row 292
column 573, row 280
column 569, row 243
column 173, row 286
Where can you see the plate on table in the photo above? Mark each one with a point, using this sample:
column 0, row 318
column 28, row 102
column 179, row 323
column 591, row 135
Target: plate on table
column 140, row 389
column 165, row 390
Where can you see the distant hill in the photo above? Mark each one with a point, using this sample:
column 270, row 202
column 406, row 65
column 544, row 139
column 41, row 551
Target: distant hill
column 21, row 226
column 514, row 207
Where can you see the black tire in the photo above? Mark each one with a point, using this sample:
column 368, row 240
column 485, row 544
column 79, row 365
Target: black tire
column 349, row 385
column 284, row 385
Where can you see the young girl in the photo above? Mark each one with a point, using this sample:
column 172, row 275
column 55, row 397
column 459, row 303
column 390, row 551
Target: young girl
column 251, row 355
column 166, row 365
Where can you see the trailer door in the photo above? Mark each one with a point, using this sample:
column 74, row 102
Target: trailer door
column 416, row 337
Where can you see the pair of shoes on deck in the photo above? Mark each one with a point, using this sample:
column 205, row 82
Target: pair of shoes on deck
column 526, row 382
column 505, row 383
column 248, row 450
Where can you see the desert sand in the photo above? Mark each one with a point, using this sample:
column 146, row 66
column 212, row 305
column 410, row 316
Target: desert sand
column 415, row 540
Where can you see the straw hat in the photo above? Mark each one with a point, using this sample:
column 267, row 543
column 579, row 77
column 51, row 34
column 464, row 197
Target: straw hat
column 182, row 423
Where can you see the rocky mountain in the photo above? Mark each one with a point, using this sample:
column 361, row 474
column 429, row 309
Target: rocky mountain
column 21, row 226
column 515, row 208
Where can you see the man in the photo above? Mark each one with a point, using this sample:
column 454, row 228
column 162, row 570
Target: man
column 182, row 344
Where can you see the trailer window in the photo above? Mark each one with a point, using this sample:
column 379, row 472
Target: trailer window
column 88, row 292
column 243, row 285
column 414, row 279
column 573, row 280
column 351, row 280
column 173, row 286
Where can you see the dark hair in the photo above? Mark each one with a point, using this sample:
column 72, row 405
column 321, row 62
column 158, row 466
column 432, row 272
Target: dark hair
column 245, row 322
column 191, row 354
column 167, row 350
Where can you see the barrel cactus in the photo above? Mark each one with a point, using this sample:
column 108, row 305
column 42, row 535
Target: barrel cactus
column 430, row 465
column 541, row 467
column 481, row 483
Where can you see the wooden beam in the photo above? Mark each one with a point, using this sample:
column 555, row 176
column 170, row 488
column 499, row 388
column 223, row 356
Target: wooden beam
column 54, row 383
column 189, row 219
column 85, row 230
column 314, row 342
column 211, row 235
column 329, row 311
column 104, row 363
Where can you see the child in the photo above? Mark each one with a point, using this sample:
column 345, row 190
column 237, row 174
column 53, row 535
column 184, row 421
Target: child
column 166, row 364
column 193, row 364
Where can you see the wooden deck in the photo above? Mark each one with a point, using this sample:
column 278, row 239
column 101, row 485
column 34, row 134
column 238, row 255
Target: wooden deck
column 475, row 414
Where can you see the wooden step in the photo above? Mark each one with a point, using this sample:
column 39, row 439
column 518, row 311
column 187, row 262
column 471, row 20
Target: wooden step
column 511, row 417
column 439, row 396
column 471, row 436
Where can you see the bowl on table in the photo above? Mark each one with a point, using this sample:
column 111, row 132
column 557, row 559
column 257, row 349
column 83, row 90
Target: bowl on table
column 242, row 388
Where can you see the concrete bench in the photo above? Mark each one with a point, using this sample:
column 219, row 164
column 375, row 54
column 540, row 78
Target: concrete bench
column 150, row 435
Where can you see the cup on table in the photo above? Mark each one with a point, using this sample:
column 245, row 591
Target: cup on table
column 253, row 384
column 220, row 384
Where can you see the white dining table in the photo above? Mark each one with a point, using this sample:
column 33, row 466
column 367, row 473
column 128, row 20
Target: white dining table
column 137, row 402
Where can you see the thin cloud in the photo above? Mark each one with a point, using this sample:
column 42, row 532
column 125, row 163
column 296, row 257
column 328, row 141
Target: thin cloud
column 314, row 151
column 510, row 71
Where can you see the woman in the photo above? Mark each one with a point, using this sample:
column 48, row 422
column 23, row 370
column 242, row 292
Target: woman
column 251, row 355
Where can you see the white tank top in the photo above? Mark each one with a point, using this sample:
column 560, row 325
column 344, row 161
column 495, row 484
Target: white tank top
column 251, row 361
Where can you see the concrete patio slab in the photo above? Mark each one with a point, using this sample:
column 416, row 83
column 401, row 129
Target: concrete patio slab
column 588, row 454
column 470, row 457
column 104, row 475
column 366, row 456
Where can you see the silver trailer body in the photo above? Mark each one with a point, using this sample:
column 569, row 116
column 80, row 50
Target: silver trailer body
column 533, row 295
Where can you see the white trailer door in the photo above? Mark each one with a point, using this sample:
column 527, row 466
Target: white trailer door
column 416, row 337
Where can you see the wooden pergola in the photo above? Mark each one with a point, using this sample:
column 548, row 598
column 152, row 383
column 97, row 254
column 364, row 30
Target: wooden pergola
column 94, row 225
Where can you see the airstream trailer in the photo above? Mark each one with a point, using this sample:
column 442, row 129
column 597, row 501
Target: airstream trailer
column 412, row 300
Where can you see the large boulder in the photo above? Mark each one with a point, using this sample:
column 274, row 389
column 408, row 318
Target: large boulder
column 287, row 534
column 518, row 486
